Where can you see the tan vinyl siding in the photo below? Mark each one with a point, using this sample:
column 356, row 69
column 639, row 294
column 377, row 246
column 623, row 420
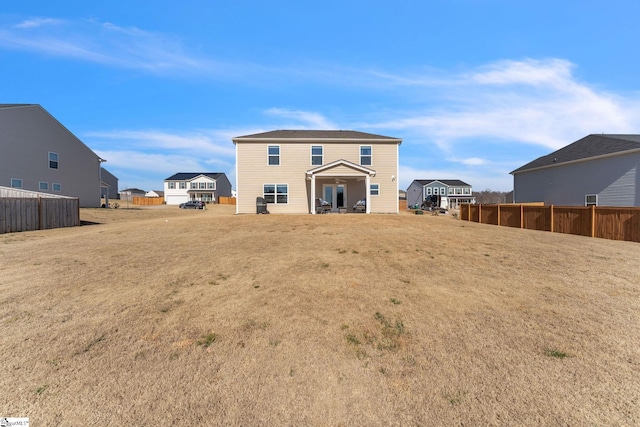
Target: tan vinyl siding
column 295, row 160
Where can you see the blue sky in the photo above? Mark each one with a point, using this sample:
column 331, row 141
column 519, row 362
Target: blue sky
column 475, row 88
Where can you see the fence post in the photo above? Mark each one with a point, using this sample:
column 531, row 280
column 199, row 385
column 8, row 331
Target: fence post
column 480, row 213
column 551, row 218
column 593, row 220
column 498, row 213
column 521, row 216
column 39, row 213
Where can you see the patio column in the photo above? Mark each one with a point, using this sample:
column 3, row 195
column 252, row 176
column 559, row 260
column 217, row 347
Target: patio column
column 313, row 195
column 368, row 193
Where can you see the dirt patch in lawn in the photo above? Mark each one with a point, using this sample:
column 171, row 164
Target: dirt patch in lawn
column 159, row 315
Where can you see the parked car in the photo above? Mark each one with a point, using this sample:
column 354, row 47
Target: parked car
column 193, row 204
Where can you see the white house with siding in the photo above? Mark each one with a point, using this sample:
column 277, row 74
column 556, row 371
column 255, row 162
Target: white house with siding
column 292, row 169
column 39, row 154
column 203, row 186
column 599, row 169
column 443, row 193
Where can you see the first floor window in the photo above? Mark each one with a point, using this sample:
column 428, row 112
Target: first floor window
column 276, row 193
column 374, row 189
column 56, row 187
column 16, row 183
column 591, row 200
column 44, row 186
column 53, row 160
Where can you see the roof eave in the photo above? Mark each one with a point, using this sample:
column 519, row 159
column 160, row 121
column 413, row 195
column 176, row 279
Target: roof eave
column 570, row 162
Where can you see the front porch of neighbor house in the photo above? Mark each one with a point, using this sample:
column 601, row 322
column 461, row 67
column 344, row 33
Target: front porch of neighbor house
column 342, row 184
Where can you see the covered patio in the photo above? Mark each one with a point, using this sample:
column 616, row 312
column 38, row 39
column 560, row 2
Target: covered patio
column 342, row 184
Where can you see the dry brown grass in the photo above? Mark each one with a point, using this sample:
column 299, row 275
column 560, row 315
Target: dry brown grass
column 158, row 316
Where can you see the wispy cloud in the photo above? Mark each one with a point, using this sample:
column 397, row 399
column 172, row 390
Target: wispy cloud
column 302, row 119
column 107, row 44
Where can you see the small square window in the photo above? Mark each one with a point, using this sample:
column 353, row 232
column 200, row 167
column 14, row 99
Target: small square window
column 374, row 189
column 56, row 187
column 591, row 200
column 16, row 183
column 43, row 186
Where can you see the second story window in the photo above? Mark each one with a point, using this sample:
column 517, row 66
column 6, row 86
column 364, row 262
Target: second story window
column 274, row 155
column 53, row 160
column 172, row 185
column 194, row 185
column 183, row 185
column 365, row 155
column 316, row 155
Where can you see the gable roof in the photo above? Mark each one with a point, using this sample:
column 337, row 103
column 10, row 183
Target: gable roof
column 449, row 182
column 186, row 176
column 316, row 135
column 341, row 162
column 590, row 146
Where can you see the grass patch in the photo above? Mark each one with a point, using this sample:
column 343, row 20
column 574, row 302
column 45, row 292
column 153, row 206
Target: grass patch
column 395, row 301
column 206, row 340
column 552, row 352
column 42, row 389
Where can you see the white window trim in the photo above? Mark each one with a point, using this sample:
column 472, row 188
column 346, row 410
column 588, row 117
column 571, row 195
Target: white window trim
column 182, row 185
column 371, row 189
column 429, row 192
column 312, row 155
column 16, row 179
column 53, row 186
column 279, row 155
column 275, row 194
column 171, row 185
column 369, row 155
column 42, row 184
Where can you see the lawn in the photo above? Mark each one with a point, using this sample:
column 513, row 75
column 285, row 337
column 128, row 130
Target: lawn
column 159, row 316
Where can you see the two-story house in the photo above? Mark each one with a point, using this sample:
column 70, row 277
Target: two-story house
column 599, row 169
column 444, row 193
column 204, row 186
column 37, row 153
column 292, row 169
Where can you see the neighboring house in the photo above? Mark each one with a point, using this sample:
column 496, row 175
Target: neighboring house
column 39, row 154
column 109, row 184
column 129, row 193
column 445, row 193
column 291, row 169
column 601, row 170
column 155, row 193
column 204, row 186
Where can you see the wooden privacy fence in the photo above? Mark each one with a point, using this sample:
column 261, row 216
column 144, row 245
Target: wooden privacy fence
column 595, row 221
column 41, row 213
column 226, row 200
column 148, row 201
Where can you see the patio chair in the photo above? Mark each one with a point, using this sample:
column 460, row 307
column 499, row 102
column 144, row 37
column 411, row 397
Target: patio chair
column 322, row 206
column 360, row 206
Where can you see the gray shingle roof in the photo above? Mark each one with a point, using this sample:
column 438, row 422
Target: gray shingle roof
column 449, row 182
column 315, row 134
column 185, row 176
column 590, row 146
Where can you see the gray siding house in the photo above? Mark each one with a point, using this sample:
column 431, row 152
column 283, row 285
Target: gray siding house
column 109, row 184
column 39, row 154
column 599, row 170
column 445, row 193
